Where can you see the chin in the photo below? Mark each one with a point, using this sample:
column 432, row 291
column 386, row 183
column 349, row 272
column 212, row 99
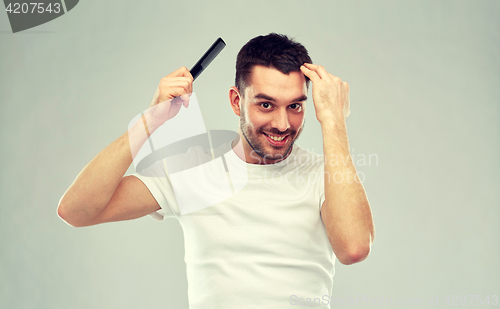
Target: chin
column 273, row 153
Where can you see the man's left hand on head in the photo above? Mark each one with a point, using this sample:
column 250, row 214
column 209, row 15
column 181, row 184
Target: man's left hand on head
column 330, row 94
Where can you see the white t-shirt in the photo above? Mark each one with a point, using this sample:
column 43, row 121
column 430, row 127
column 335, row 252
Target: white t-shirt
column 264, row 245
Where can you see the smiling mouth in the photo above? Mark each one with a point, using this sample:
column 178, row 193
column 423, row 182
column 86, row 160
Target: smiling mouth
column 277, row 140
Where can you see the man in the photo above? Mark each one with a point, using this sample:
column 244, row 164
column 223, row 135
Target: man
column 272, row 243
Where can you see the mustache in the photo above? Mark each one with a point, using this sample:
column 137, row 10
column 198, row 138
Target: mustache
column 275, row 131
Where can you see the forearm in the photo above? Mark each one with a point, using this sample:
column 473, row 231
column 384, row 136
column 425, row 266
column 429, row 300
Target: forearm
column 346, row 211
column 94, row 186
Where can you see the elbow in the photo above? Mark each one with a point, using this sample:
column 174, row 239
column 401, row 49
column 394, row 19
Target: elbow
column 357, row 251
column 354, row 255
column 64, row 214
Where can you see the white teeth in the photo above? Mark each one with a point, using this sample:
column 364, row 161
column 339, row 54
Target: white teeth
column 276, row 138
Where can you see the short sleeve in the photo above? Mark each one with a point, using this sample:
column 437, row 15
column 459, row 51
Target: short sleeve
column 158, row 183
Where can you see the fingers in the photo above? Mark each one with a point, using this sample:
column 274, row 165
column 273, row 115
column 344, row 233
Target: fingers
column 177, row 83
column 182, row 71
column 320, row 70
column 172, row 86
column 172, row 93
column 185, row 99
column 315, row 72
column 313, row 76
column 329, row 91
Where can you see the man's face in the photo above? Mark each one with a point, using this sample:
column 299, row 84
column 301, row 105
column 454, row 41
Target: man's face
column 272, row 114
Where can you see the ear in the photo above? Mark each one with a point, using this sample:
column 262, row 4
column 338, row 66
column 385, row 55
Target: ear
column 235, row 100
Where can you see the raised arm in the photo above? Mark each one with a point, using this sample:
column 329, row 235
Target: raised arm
column 101, row 193
column 346, row 212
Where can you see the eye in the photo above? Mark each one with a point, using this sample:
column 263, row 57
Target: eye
column 296, row 106
column 266, row 105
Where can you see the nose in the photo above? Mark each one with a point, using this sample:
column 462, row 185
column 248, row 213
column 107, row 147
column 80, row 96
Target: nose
column 280, row 120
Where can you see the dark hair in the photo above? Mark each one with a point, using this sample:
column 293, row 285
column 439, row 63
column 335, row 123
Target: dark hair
column 273, row 51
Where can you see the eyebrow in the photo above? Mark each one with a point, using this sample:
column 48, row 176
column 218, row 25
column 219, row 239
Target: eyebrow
column 266, row 97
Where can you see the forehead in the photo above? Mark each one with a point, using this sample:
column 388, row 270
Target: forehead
column 272, row 82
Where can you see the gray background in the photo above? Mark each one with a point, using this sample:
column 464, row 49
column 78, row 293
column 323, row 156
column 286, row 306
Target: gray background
column 424, row 79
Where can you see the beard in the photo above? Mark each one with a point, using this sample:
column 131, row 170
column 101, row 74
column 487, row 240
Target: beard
column 259, row 144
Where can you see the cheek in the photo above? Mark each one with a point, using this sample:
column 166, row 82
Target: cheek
column 256, row 121
column 296, row 121
column 245, row 118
